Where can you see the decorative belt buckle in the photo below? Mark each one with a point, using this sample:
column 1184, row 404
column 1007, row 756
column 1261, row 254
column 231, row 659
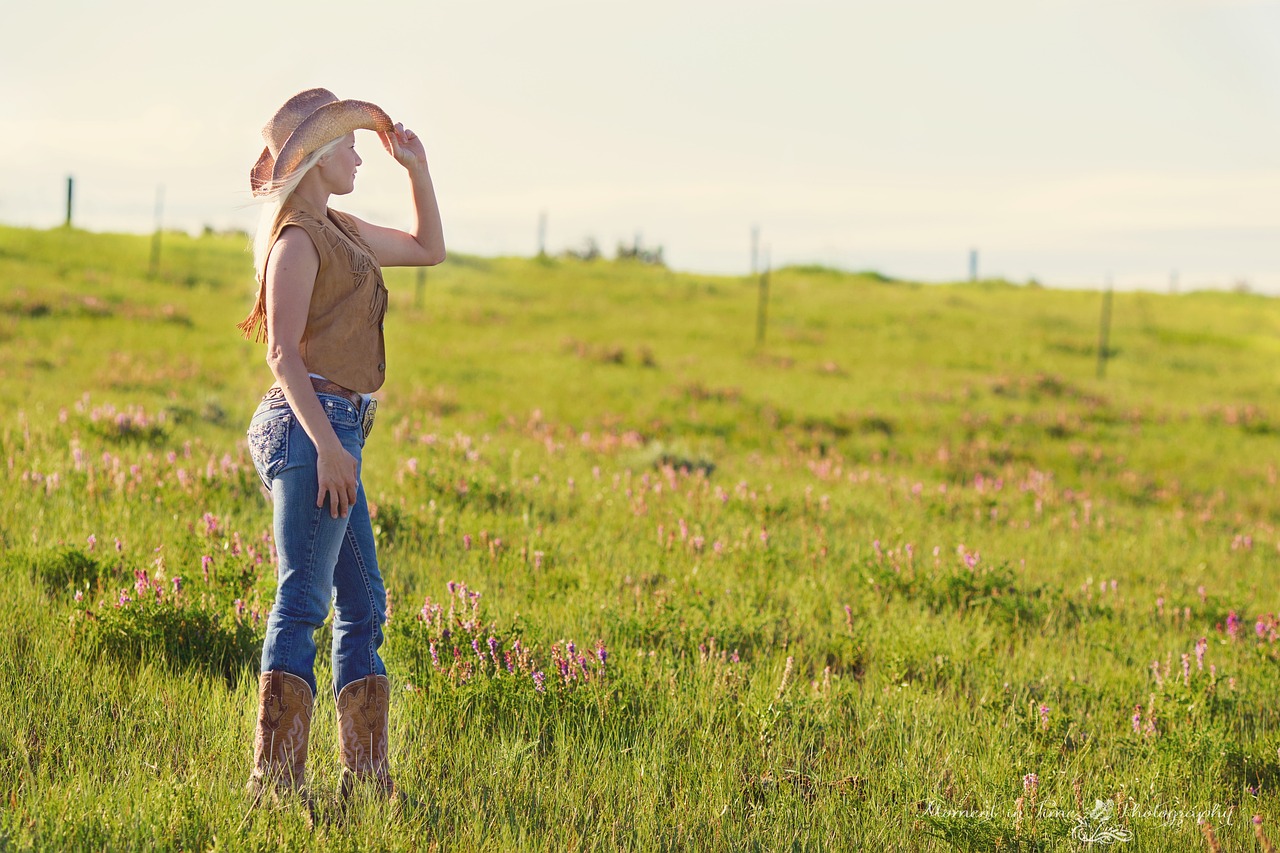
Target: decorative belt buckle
column 370, row 409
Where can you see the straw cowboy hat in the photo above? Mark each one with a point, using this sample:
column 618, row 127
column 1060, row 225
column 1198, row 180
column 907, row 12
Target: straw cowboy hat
column 307, row 121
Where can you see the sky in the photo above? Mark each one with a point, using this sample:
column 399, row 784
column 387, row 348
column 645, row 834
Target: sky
column 1074, row 142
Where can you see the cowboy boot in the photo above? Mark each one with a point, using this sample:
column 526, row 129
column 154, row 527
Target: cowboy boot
column 362, row 734
column 280, row 744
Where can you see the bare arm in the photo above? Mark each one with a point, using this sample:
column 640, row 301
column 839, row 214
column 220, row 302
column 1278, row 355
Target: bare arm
column 424, row 245
column 291, row 276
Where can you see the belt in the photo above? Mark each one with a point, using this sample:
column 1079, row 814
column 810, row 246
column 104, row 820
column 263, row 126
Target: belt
column 321, row 386
column 324, row 386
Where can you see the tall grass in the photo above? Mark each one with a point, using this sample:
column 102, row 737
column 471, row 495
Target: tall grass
column 908, row 577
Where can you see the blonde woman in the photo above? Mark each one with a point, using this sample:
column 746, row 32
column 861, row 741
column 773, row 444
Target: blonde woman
column 320, row 309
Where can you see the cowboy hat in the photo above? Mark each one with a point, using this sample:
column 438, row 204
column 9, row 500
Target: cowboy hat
column 307, row 121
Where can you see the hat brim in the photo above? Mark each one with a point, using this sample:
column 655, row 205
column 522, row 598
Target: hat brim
column 326, row 124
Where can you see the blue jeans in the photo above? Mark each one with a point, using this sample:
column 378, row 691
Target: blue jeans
column 320, row 559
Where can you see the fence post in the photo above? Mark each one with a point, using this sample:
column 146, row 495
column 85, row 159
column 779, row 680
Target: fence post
column 70, row 184
column 1104, row 332
column 973, row 265
column 762, row 309
column 155, row 238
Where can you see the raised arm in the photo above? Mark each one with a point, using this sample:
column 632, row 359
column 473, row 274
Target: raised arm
column 424, row 245
column 291, row 276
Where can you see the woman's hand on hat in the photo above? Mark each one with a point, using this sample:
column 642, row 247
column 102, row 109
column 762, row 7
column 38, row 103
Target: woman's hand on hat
column 405, row 146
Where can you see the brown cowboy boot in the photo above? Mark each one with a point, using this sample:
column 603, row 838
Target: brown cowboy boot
column 280, row 745
column 362, row 734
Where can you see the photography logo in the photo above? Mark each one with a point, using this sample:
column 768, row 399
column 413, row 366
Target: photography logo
column 1099, row 826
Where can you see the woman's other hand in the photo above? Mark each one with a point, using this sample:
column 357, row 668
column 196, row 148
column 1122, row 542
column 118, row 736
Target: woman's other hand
column 336, row 471
column 405, row 146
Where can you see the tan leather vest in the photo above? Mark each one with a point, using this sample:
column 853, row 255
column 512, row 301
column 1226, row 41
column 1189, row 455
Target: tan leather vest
column 343, row 340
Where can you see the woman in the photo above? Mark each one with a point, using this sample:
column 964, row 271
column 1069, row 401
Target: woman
column 320, row 306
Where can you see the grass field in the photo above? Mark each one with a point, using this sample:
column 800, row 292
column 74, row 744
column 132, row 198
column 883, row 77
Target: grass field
column 909, row 576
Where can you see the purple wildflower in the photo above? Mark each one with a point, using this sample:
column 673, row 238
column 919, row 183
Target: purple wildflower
column 435, row 658
column 1233, row 625
column 539, row 682
column 1137, row 719
column 93, row 541
column 1044, row 717
column 1201, row 645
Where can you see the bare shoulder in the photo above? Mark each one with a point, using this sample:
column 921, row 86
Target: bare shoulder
column 293, row 253
column 294, row 243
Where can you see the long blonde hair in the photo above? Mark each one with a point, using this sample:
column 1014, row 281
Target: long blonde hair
column 254, row 326
column 273, row 202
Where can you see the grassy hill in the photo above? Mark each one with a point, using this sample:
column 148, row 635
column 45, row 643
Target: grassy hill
column 908, row 576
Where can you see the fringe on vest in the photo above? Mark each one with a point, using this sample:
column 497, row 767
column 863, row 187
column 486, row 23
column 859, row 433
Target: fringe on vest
column 363, row 270
column 254, row 327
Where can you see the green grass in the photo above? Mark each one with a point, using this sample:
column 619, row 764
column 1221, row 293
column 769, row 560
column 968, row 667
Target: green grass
column 853, row 586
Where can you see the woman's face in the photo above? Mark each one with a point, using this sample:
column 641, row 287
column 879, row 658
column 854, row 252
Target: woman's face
column 339, row 166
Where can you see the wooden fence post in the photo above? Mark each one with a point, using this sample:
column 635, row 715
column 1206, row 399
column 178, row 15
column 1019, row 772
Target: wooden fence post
column 155, row 238
column 762, row 309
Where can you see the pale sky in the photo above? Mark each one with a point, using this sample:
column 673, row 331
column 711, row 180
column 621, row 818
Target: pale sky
column 1064, row 140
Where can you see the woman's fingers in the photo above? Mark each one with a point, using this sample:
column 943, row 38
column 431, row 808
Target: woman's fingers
column 341, row 498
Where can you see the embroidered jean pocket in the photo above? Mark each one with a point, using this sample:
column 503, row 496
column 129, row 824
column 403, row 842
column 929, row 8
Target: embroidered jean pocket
column 269, row 446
